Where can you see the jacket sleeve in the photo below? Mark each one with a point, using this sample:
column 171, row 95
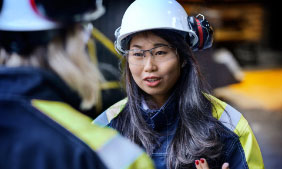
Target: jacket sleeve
column 65, row 157
column 115, row 151
column 108, row 115
column 249, row 144
column 235, row 121
column 41, row 152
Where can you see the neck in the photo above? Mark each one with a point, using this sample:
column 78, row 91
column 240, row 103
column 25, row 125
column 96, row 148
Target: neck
column 158, row 101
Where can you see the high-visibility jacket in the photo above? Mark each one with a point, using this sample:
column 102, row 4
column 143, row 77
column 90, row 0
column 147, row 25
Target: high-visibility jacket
column 241, row 148
column 39, row 128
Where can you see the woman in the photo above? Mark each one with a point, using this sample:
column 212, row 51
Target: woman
column 169, row 111
column 45, row 78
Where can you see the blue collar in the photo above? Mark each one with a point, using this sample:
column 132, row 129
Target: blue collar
column 159, row 119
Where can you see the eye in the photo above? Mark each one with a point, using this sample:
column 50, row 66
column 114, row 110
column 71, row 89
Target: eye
column 160, row 52
column 137, row 54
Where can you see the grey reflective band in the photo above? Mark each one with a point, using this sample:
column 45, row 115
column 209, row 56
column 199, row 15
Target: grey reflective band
column 106, row 117
column 101, row 120
column 122, row 148
column 230, row 117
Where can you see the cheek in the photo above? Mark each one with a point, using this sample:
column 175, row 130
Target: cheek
column 172, row 70
column 172, row 77
column 135, row 72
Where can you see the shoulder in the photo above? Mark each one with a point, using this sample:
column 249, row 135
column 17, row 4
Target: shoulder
column 108, row 115
column 228, row 115
column 243, row 147
column 114, row 150
column 32, row 139
column 71, row 124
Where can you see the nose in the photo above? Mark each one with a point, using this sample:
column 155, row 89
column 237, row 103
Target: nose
column 149, row 63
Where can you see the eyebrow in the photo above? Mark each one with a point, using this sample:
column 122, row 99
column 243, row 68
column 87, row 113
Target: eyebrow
column 137, row 46
column 155, row 45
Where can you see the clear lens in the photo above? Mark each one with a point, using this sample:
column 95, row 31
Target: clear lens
column 159, row 54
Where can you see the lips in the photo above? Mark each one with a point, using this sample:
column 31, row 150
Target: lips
column 152, row 81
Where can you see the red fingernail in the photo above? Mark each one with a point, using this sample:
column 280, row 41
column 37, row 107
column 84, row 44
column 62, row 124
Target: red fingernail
column 197, row 162
column 202, row 160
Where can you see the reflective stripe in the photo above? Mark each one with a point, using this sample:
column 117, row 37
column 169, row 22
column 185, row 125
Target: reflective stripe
column 230, row 117
column 119, row 147
column 115, row 109
column 106, row 117
column 75, row 122
column 218, row 106
column 226, row 114
column 250, row 146
column 115, row 151
column 101, row 120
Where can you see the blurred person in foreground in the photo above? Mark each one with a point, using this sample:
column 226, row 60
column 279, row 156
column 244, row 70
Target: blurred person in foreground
column 45, row 78
column 168, row 110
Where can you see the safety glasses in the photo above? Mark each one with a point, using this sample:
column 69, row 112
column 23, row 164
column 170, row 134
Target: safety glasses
column 159, row 53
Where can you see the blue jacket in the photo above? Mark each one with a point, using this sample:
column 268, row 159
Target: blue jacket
column 39, row 128
column 240, row 149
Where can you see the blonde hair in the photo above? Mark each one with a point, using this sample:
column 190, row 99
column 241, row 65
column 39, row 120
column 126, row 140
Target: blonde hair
column 69, row 60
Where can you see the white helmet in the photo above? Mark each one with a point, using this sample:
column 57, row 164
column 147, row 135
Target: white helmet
column 36, row 15
column 144, row 15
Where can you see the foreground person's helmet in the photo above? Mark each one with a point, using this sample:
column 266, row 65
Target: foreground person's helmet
column 35, row 15
column 144, row 15
column 26, row 24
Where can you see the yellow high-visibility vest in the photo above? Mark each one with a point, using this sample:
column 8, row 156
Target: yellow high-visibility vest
column 227, row 115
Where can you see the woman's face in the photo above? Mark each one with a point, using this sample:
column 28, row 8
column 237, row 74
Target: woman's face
column 155, row 77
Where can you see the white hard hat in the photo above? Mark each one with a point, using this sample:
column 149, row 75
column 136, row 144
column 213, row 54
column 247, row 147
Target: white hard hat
column 144, row 15
column 36, row 15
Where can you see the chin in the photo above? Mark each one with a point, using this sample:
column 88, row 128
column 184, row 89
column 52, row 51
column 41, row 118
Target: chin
column 153, row 92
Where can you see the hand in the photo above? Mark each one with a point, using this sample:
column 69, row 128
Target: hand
column 202, row 164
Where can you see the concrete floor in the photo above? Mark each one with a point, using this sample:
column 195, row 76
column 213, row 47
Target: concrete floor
column 259, row 98
column 267, row 126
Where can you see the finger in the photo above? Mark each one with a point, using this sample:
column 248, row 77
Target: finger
column 197, row 164
column 225, row 166
column 204, row 163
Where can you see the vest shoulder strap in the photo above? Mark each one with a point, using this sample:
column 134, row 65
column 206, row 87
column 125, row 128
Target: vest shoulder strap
column 108, row 115
column 236, row 122
column 114, row 150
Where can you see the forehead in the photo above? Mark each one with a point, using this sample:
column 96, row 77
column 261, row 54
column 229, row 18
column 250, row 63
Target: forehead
column 147, row 38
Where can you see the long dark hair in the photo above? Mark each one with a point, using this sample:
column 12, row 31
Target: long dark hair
column 197, row 132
